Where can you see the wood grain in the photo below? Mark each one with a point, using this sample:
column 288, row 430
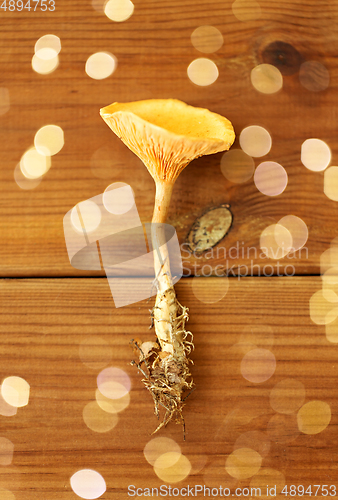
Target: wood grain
column 43, row 323
column 49, row 309
column 153, row 50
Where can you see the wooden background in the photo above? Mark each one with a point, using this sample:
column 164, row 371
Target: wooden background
column 48, row 308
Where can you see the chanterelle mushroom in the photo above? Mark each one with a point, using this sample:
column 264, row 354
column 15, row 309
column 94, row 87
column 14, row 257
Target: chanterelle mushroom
column 167, row 134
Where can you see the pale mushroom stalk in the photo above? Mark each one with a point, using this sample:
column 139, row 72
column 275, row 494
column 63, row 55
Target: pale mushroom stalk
column 167, row 134
column 161, row 257
column 168, row 373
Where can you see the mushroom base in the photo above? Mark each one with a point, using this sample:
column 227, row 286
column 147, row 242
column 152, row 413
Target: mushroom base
column 164, row 364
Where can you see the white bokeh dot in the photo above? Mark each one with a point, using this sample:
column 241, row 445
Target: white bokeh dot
column 49, row 140
column 315, row 154
column 202, row 72
column 207, row 39
column 331, row 183
column 90, row 214
column 270, row 178
column 100, row 65
column 88, row 484
column 47, row 47
column 255, row 141
column 119, row 10
column 266, row 79
column 34, row 164
column 44, row 66
column 276, row 241
column 297, row 228
column 246, row 10
column 15, row 391
column 118, row 199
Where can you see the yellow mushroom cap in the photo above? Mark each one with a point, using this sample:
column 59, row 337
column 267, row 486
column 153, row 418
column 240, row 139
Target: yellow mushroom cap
column 167, row 134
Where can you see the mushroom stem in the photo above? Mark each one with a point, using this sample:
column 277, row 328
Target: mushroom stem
column 162, row 200
column 161, row 256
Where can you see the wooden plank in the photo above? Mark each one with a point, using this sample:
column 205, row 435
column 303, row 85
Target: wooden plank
column 43, row 325
column 154, row 49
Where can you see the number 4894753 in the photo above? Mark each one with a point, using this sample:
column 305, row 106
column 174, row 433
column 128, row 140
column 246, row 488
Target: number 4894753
column 29, row 5
column 316, row 490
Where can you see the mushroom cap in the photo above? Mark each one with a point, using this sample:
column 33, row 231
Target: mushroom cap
column 167, row 134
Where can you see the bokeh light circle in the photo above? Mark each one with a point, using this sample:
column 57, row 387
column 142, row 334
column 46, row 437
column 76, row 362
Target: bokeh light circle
column 276, row 241
column 173, row 472
column 103, row 163
column 97, row 419
column 297, row 228
column 33, row 164
column 100, row 65
column 6, row 409
column 255, row 141
column 314, row 76
column 314, row 417
column 15, row 391
column 331, row 332
column 159, row 446
column 119, row 10
column 112, row 405
column 270, row 178
column 6, row 452
column 237, row 166
column 331, row 183
column 287, row 396
column 243, row 463
column 118, row 199
column 47, row 47
column 88, row 484
column 315, row 154
column 113, row 383
column 86, row 216
column 246, row 10
column 24, row 182
column 322, row 311
column 329, row 293
column 207, row 39
column 44, row 66
column 202, row 72
column 328, row 259
column 266, row 79
column 49, row 140
column 99, row 5
column 167, row 459
column 258, row 365
column 265, row 477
